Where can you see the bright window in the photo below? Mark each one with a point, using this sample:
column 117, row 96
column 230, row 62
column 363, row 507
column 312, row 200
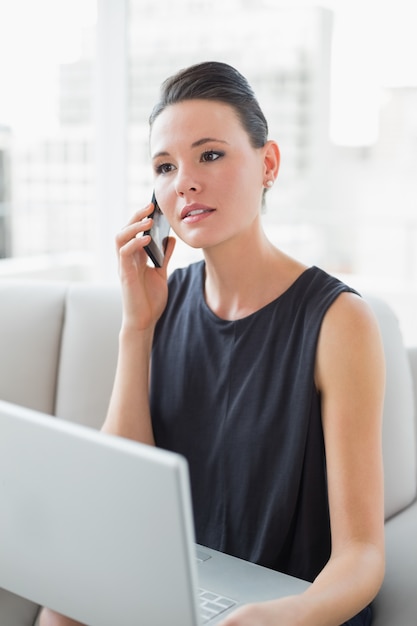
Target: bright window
column 47, row 56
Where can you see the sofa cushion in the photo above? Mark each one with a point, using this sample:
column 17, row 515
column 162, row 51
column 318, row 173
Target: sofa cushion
column 31, row 319
column 88, row 353
column 396, row 604
column 412, row 355
column 398, row 419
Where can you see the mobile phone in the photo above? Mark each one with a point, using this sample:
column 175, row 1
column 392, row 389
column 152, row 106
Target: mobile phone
column 159, row 233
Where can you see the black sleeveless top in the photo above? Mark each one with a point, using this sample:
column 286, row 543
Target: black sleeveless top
column 238, row 400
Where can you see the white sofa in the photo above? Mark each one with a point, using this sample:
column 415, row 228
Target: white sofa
column 58, row 346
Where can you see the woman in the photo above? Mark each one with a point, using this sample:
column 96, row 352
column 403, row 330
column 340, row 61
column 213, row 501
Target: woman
column 266, row 374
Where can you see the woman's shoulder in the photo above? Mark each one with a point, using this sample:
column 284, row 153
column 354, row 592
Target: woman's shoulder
column 320, row 280
column 350, row 328
column 346, row 305
column 315, row 289
column 188, row 275
column 185, row 287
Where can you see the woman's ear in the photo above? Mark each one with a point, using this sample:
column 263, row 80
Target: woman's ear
column 272, row 159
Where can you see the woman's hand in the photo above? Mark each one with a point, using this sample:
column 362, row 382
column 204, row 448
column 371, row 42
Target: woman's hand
column 144, row 288
column 284, row 611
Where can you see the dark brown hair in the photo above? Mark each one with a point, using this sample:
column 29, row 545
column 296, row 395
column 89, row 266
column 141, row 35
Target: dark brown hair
column 219, row 82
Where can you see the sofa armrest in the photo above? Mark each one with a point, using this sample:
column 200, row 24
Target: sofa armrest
column 89, row 351
column 412, row 354
column 31, row 320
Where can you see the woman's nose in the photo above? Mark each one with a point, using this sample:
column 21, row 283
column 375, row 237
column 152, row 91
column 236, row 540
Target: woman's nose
column 186, row 182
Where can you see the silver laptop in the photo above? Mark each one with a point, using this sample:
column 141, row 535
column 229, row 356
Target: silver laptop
column 100, row 528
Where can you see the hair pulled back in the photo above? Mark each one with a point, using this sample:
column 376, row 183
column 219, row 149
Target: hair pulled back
column 219, row 82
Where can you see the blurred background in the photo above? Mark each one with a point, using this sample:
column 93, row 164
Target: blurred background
column 337, row 81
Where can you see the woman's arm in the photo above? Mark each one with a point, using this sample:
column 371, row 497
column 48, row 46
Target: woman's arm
column 350, row 376
column 128, row 413
column 144, row 296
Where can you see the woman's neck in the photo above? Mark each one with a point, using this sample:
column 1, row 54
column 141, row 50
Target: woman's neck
column 246, row 275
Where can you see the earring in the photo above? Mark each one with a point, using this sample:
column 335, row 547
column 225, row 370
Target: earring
column 269, row 184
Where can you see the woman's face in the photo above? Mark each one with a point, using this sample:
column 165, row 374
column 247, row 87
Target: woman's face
column 208, row 178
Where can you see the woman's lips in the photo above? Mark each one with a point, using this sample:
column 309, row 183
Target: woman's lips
column 195, row 212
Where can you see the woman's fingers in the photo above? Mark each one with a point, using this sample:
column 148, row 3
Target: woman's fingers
column 141, row 214
column 131, row 240
column 133, row 233
column 137, row 225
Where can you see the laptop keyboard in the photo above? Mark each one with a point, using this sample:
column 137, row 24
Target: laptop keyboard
column 212, row 604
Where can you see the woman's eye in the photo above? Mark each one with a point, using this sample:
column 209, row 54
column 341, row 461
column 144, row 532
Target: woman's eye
column 164, row 168
column 211, row 155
